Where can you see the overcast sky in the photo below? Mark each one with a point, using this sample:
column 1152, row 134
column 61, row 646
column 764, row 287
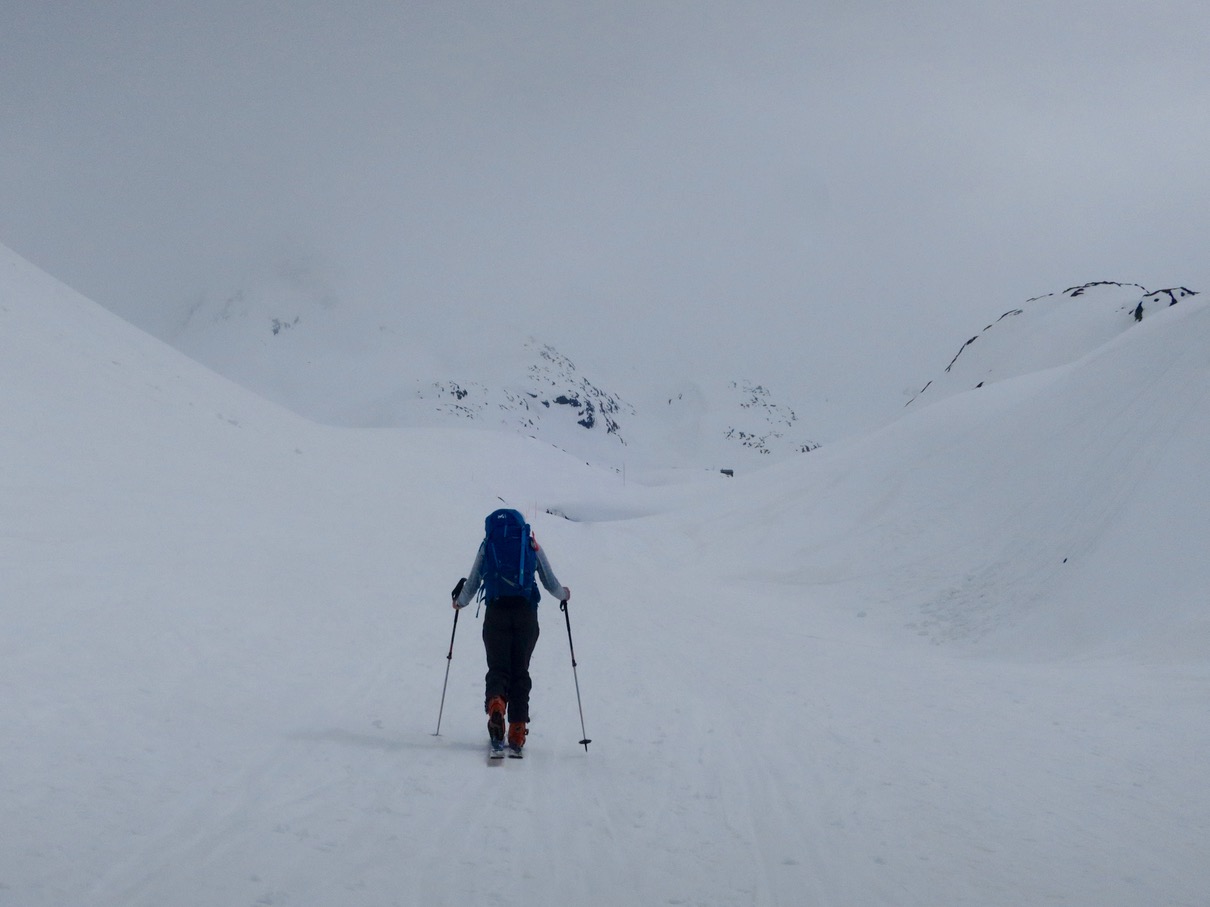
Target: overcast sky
column 757, row 182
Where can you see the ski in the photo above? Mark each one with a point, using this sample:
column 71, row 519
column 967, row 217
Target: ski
column 495, row 754
column 515, row 752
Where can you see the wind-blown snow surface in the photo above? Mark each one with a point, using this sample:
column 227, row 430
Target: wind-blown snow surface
column 963, row 660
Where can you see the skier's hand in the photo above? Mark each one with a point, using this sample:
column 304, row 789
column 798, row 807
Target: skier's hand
column 566, row 594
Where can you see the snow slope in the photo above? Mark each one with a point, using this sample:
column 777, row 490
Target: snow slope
column 964, row 660
column 1047, row 331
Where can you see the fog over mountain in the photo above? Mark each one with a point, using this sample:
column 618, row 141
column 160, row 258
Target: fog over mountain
column 815, row 197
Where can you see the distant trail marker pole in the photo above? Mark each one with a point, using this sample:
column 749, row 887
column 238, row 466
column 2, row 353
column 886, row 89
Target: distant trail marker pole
column 585, row 741
column 449, row 658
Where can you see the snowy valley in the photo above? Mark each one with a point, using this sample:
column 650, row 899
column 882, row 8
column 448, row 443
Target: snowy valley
column 961, row 659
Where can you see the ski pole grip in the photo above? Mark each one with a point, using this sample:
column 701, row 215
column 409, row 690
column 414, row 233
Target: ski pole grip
column 458, row 588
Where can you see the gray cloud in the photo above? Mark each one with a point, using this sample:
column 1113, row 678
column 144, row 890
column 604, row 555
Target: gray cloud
column 769, row 184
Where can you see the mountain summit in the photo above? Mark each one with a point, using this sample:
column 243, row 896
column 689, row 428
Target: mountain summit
column 1048, row 331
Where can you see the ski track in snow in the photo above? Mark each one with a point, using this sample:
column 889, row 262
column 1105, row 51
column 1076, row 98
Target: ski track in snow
column 963, row 789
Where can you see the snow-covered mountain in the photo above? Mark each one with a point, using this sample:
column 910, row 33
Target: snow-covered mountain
column 1048, row 331
column 288, row 339
column 962, row 660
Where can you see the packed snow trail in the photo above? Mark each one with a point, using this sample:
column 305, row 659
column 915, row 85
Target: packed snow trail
column 807, row 770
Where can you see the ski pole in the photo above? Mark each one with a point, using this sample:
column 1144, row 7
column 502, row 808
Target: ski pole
column 567, row 617
column 449, row 658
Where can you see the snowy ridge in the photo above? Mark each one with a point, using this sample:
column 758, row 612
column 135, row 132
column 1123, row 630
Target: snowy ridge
column 962, row 660
column 1047, row 331
column 285, row 337
column 701, row 425
column 778, row 420
column 552, row 386
column 746, row 414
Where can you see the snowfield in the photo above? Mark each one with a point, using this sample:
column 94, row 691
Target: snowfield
column 962, row 660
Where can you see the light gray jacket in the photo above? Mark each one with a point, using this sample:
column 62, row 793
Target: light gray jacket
column 546, row 575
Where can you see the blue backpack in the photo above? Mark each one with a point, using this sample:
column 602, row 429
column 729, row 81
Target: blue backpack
column 508, row 557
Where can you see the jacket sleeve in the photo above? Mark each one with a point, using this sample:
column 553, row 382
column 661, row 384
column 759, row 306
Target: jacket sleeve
column 547, row 575
column 473, row 580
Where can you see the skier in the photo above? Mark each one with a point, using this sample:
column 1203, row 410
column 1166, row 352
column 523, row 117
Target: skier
column 505, row 566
